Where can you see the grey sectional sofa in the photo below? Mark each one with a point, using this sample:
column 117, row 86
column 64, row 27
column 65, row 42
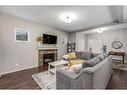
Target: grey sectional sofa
column 95, row 73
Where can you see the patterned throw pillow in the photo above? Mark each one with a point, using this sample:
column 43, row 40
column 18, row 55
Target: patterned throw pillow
column 101, row 56
column 105, row 55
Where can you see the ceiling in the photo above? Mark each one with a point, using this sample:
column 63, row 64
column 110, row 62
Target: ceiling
column 87, row 16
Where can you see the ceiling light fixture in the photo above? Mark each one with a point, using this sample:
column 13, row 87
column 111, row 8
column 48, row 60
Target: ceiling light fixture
column 68, row 20
column 68, row 17
column 99, row 31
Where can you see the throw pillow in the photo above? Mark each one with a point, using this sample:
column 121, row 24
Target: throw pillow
column 105, row 55
column 72, row 55
column 94, row 61
column 75, row 68
column 66, row 57
column 101, row 56
column 75, row 62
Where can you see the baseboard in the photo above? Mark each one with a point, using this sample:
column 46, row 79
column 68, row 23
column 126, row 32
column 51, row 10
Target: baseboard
column 17, row 70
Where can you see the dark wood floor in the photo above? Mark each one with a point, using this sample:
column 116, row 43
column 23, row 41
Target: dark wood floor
column 23, row 79
column 118, row 80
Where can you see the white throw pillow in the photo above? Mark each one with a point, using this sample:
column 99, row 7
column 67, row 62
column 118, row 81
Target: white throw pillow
column 75, row 68
column 66, row 57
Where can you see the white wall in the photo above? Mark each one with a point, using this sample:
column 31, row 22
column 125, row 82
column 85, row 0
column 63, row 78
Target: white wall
column 73, row 37
column 80, row 40
column 96, row 40
column 24, row 54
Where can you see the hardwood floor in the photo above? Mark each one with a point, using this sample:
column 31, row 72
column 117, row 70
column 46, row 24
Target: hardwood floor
column 23, row 79
column 118, row 80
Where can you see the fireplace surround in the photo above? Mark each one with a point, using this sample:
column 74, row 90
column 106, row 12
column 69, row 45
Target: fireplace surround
column 46, row 55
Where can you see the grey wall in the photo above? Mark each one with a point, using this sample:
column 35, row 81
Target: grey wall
column 96, row 40
column 24, row 54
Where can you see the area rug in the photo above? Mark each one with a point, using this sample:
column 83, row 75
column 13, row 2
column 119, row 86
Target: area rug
column 120, row 66
column 45, row 80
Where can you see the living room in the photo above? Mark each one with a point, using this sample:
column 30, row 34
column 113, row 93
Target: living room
column 34, row 37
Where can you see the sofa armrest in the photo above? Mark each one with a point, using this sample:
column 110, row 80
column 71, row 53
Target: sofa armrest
column 65, row 79
column 69, row 80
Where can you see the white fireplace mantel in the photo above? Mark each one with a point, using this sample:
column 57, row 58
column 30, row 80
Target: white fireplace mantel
column 46, row 48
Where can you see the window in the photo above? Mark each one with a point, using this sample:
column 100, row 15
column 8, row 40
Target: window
column 21, row 35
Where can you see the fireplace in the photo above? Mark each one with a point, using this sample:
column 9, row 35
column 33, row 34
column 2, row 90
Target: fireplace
column 48, row 58
column 46, row 55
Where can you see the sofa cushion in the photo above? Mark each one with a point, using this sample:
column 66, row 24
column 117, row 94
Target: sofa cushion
column 86, row 55
column 92, row 62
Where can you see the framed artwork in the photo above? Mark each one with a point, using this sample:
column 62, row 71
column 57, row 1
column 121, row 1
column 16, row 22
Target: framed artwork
column 116, row 44
column 21, row 35
column 64, row 40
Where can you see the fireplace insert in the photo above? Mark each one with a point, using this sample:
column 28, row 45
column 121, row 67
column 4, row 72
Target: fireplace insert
column 48, row 58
